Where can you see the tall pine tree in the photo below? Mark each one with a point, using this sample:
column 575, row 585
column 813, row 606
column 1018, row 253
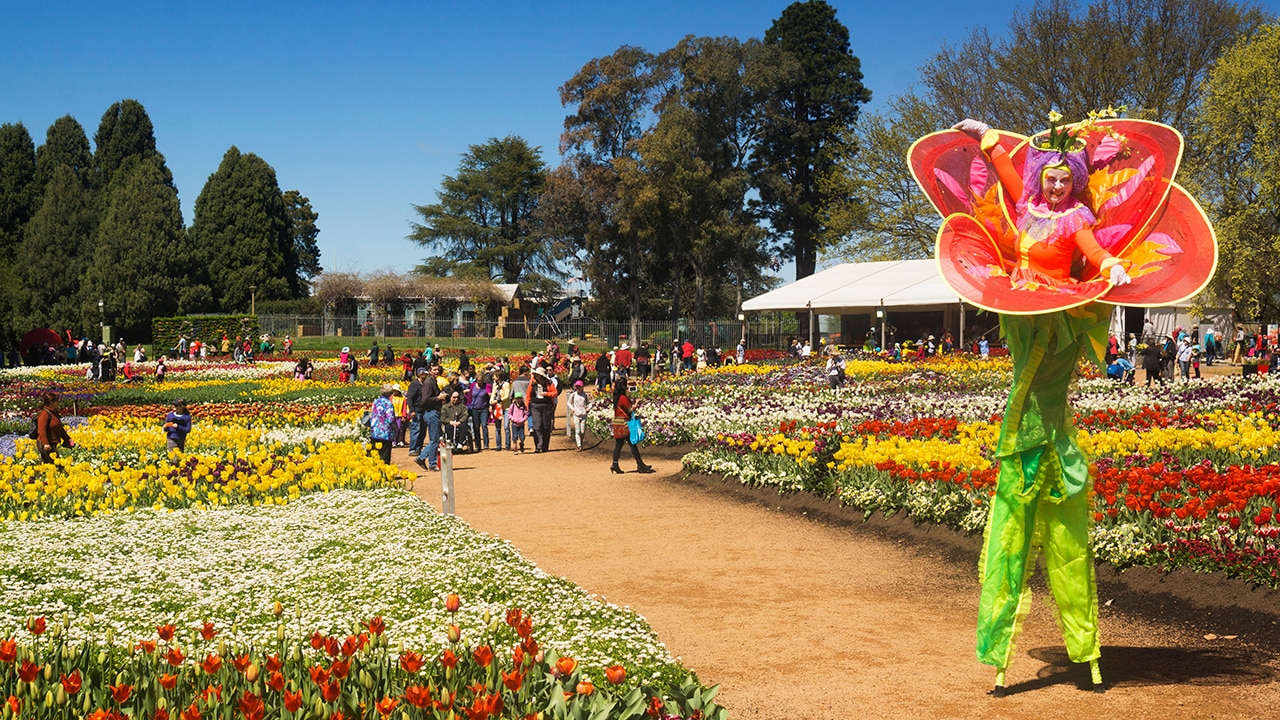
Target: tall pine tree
column 124, row 132
column 241, row 232
column 65, row 143
column 54, row 256
column 138, row 268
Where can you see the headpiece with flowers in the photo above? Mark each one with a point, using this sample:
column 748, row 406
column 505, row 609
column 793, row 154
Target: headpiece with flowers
column 1066, row 146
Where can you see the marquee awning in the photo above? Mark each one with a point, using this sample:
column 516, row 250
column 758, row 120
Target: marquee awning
column 851, row 288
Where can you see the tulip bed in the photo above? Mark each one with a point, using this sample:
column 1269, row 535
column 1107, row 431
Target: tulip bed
column 277, row 570
column 1186, row 475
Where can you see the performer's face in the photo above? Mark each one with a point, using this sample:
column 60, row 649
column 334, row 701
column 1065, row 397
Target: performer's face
column 1056, row 184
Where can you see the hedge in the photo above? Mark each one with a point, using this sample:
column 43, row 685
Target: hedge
column 207, row 328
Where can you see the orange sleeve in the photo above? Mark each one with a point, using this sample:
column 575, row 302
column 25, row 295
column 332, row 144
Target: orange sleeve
column 1009, row 178
column 1093, row 252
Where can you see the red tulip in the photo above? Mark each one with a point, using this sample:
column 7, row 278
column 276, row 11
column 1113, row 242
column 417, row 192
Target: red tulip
column 376, row 625
column 251, row 706
column 275, row 681
column 168, row 682
column 448, row 659
column 317, row 640
column 71, row 683
column 207, row 631
column 8, row 650
column 417, row 696
column 292, row 700
column 161, row 714
column 411, row 662
column 330, row 691
column 120, row 693
column 241, row 663
column 319, row 675
column 146, row 646
column 174, row 656
column 28, row 671
column 340, row 668
column 274, row 663
column 513, row 680
column 483, row 655
column 191, row 713
column 212, row 664
column 36, row 626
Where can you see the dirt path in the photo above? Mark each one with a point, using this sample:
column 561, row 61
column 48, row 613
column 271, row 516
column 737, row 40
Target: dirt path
column 801, row 617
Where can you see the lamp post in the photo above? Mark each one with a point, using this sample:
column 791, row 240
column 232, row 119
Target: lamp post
column 253, row 297
column 742, row 321
column 880, row 318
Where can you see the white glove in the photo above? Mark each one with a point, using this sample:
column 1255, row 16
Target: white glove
column 1119, row 276
column 973, row 128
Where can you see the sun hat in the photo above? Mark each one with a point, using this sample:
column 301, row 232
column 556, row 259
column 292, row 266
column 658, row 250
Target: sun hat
column 346, row 349
column 388, row 387
column 539, row 371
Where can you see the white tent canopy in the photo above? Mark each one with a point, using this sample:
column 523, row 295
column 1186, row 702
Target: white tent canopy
column 851, row 288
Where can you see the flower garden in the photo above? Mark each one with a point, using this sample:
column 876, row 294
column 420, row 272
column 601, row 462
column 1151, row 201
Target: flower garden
column 1187, row 475
column 278, row 570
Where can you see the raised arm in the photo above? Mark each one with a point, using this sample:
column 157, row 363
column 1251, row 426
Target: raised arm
column 989, row 141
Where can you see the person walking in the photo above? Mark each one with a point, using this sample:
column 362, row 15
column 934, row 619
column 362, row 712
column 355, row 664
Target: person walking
column 50, row 432
column 429, row 420
column 382, row 422
column 177, row 425
column 623, row 410
column 542, row 408
column 478, row 407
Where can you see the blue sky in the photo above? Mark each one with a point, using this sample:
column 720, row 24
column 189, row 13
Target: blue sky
column 364, row 106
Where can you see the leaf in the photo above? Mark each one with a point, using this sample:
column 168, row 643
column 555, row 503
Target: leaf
column 953, row 185
column 1107, row 149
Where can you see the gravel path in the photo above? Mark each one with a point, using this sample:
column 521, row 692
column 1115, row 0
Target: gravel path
column 798, row 610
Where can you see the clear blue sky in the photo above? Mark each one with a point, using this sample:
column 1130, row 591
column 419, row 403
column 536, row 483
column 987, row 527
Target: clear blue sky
column 364, row 106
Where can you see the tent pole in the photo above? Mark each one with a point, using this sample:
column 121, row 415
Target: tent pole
column 810, row 306
column 961, row 344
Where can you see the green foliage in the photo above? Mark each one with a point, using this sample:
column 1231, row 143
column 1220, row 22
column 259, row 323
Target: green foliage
column 1238, row 133
column 878, row 211
column 208, row 328
column 124, row 132
column 137, row 268
column 485, row 217
column 241, row 234
column 1149, row 55
column 814, row 102
column 18, row 191
column 303, row 231
column 66, row 145
column 55, row 255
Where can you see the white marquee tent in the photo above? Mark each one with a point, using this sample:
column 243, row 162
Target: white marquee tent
column 851, row 288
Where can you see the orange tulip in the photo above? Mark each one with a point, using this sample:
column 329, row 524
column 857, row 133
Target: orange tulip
column 615, row 674
column 275, row 681
column 212, row 664
column 274, row 663
column 376, row 625
column 168, row 682
column 161, row 714
column 448, row 659
column 330, row 691
column 319, row 675
column 586, row 687
column 8, row 650
column 513, row 680
column 332, row 647
column 241, row 663
column 146, row 646
column 340, row 668
column 483, row 655
column 14, row 704
column 120, row 693
column 566, row 665
column 212, row 691
column 386, row 705
column 337, row 716
column 36, row 626
column 71, row 683
column 317, row 640
column 174, row 656
column 191, row 713
column 292, row 700
column 251, row 706
column 28, row 671
column 514, row 616
column 411, row 662
column 452, row 603
column 208, row 631
column 417, row 696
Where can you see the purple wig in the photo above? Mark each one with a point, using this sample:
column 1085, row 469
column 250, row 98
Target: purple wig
column 1037, row 160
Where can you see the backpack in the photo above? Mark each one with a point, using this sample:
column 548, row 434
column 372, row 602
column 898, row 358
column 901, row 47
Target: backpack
column 34, row 432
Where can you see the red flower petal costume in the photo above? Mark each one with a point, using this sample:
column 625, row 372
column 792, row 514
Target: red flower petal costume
column 1004, row 247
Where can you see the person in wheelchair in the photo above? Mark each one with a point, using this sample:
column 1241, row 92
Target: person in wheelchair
column 455, row 422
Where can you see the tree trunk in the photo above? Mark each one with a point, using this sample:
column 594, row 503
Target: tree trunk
column 802, row 237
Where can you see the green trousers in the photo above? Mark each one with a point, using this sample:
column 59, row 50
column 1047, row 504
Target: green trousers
column 1043, row 494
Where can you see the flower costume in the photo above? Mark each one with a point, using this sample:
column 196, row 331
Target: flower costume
column 1053, row 269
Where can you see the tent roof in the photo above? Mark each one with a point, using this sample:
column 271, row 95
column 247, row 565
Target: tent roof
column 861, row 287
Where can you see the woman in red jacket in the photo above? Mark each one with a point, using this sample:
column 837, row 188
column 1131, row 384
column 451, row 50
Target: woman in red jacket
column 623, row 409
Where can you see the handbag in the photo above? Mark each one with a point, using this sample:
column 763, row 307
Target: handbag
column 636, row 430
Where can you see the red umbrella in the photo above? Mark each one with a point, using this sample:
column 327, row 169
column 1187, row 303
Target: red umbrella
column 40, row 337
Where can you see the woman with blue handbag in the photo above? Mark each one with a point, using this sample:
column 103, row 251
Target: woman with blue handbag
column 624, row 422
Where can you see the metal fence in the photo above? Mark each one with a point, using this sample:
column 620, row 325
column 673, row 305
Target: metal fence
column 760, row 332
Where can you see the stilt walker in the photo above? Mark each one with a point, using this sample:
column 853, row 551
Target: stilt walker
column 1051, row 232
